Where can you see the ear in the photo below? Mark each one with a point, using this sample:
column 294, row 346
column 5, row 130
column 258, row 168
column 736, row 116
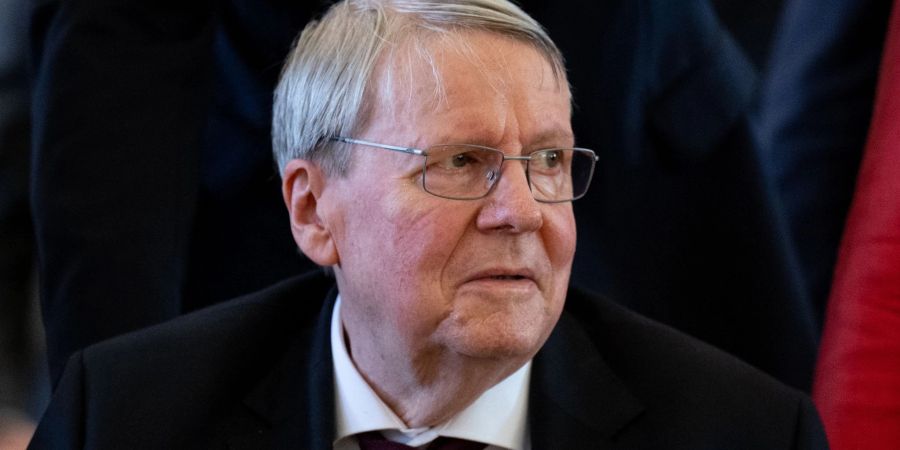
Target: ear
column 302, row 186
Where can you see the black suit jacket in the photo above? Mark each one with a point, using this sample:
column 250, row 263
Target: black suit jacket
column 257, row 373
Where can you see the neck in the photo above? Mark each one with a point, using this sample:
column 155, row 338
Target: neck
column 431, row 388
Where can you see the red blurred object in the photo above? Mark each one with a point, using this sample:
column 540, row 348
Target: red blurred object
column 857, row 380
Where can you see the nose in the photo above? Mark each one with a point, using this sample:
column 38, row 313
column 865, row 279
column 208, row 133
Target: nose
column 510, row 206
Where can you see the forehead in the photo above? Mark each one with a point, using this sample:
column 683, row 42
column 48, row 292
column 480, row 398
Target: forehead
column 468, row 80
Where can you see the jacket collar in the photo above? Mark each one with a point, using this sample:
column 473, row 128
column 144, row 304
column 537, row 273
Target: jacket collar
column 575, row 396
column 296, row 398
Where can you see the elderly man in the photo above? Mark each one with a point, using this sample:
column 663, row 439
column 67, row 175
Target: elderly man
column 427, row 160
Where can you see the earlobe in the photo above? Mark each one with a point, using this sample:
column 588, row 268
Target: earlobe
column 303, row 188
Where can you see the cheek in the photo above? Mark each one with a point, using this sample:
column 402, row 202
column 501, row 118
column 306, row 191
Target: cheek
column 425, row 232
column 404, row 234
column 559, row 235
column 416, row 241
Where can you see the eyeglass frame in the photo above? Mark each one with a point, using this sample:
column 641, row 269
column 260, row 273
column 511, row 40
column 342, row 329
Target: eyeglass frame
column 421, row 152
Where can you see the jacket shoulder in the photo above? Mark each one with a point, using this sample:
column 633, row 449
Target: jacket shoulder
column 685, row 386
column 195, row 371
column 266, row 316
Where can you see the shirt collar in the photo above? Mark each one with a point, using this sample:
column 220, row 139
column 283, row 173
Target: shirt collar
column 498, row 417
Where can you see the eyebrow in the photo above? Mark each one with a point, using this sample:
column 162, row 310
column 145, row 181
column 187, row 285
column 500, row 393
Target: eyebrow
column 544, row 140
column 554, row 136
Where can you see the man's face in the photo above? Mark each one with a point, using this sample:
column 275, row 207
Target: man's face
column 429, row 277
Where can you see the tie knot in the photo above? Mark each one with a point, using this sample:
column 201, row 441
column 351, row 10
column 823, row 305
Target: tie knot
column 374, row 440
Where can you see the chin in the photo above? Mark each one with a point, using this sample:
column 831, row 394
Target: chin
column 500, row 341
column 484, row 327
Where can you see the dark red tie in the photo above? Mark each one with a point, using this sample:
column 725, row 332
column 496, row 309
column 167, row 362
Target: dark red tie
column 373, row 440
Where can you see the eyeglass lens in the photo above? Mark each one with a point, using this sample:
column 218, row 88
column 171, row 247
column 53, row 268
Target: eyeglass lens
column 469, row 172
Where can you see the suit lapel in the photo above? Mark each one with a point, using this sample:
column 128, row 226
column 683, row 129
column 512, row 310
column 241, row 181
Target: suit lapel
column 296, row 399
column 575, row 398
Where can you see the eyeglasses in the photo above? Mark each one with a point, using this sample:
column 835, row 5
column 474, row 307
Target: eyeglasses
column 469, row 172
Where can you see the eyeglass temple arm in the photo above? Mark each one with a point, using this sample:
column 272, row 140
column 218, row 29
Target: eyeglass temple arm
column 410, row 150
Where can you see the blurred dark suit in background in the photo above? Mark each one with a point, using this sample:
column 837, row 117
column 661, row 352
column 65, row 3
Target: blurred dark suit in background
column 154, row 188
column 16, row 239
column 155, row 191
column 751, row 23
column 816, row 102
column 680, row 224
column 22, row 373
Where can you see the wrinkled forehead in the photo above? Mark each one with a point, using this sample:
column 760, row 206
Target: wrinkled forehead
column 422, row 69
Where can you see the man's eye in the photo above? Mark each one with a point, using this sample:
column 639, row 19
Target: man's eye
column 461, row 160
column 458, row 160
column 550, row 159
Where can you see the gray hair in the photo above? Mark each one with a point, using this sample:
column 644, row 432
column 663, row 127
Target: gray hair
column 325, row 80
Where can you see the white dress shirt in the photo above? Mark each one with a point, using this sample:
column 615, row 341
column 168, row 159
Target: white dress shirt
column 499, row 417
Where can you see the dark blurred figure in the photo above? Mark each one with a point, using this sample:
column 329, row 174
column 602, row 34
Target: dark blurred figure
column 155, row 192
column 681, row 222
column 19, row 377
column 751, row 24
column 154, row 189
column 814, row 112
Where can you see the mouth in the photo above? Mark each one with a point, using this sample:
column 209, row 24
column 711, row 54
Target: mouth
column 503, row 275
column 501, row 284
column 508, row 277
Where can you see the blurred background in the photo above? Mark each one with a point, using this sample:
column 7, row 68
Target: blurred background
column 134, row 161
column 24, row 383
